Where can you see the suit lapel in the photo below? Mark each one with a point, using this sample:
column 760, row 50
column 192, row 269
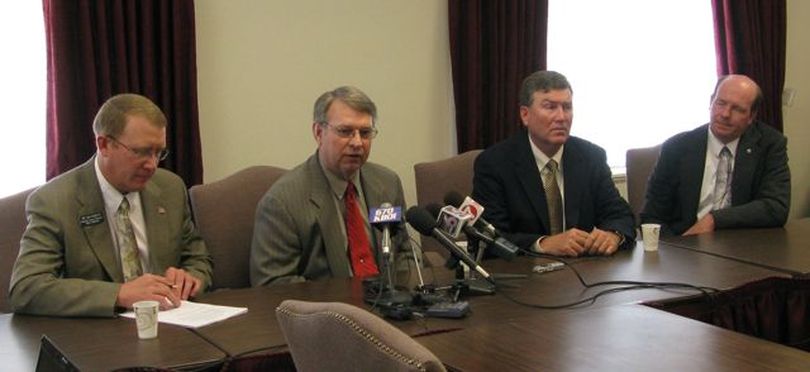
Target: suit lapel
column 93, row 220
column 529, row 177
column 575, row 175
column 157, row 228
column 334, row 240
column 745, row 161
column 691, row 169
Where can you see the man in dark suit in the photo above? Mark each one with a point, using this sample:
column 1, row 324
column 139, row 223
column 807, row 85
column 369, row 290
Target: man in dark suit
column 547, row 191
column 730, row 173
column 113, row 231
column 308, row 225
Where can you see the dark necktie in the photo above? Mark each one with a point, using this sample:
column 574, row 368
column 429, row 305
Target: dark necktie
column 722, row 184
column 553, row 198
column 363, row 263
column 127, row 245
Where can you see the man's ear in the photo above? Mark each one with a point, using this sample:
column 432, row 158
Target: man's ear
column 524, row 115
column 317, row 132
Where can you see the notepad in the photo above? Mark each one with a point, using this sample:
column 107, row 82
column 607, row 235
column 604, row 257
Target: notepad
column 194, row 314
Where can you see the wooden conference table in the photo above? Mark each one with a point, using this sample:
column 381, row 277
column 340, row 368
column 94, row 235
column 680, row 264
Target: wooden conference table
column 614, row 332
column 783, row 249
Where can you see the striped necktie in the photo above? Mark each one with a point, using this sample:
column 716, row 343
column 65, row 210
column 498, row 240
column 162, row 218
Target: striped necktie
column 553, row 198
column 722, row 184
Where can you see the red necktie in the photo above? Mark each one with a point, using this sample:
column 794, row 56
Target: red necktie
column 363, row 263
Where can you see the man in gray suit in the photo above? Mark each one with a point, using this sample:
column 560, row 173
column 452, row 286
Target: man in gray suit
column 114, row 230
column 313, row 223
column 730, row 173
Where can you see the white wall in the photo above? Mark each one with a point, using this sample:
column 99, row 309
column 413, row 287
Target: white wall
column 262, row 64
column 797, row 116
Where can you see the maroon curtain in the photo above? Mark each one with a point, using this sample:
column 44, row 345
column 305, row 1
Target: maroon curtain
column 99, row 48
column 494, row 44
column 750, row 40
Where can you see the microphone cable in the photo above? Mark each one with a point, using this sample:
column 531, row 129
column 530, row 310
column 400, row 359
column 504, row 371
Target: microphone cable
column 625, row 285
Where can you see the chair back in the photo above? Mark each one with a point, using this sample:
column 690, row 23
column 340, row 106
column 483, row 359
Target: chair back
column 435, row 179
column 333, row 336
column 12, row 226
column 224, row 212
column 640, row 164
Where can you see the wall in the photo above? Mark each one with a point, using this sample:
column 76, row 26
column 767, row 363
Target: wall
column 796, row 116
column 262, row 64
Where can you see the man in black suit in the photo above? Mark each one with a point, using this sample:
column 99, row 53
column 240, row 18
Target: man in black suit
column 693, row 189
column 549, row 192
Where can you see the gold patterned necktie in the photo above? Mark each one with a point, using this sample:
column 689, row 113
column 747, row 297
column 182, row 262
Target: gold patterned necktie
column 553, row 198
column 127, row 245
column 722, row 184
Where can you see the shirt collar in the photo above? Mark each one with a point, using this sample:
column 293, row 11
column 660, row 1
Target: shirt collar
column 714, row 145
column 337, row 184
column 541, row 158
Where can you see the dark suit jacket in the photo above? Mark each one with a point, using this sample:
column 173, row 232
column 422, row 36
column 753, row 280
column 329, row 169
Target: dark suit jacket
column 67, row 264
column 298, row 236
column 508, row 184
column 760, row 187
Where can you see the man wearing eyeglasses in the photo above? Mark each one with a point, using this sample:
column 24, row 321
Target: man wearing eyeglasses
column 730, row 173
column 313, row 222
column 113, row 231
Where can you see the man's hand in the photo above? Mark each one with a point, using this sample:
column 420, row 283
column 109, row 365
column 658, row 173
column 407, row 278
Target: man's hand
column 148, row 287
column 184, row 284
column 704, row 225
column 602, row 242
column 569, row 243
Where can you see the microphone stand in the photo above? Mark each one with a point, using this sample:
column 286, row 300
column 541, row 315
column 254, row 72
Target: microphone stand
column 467, row 281
column 389, row 296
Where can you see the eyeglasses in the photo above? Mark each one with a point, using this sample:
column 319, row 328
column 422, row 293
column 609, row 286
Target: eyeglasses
column 345, row 131
column 143, row 153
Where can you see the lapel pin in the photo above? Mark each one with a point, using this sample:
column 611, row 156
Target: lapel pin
column 161, row 210
column 748, row 150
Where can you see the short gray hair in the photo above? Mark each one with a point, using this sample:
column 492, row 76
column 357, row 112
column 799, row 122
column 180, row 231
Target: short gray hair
column 351, row 96
column 542, row 81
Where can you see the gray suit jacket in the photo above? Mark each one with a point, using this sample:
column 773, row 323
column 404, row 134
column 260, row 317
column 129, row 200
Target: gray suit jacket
column 67, row 264
column 760, row 185
column 298, row 236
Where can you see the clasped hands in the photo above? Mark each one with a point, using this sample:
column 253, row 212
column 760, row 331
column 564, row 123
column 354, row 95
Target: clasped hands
column 575, row 242
column 168, row 290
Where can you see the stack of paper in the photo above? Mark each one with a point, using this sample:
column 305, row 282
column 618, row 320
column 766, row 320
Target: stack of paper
column 194, row 314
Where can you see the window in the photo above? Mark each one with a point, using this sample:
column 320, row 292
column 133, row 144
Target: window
column 641, row 70
column 23, row 92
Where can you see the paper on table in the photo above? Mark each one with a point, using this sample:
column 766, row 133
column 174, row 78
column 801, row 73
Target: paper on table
column 194, row 314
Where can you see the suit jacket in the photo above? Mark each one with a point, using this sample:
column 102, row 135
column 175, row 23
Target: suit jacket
column 760, row 185
column 508, row 184
column 298, row 235
column 67, row 265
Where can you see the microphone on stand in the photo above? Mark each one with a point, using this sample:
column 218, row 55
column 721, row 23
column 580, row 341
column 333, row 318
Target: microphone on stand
column 383, row 218
column 502, row 248
column 423, row 222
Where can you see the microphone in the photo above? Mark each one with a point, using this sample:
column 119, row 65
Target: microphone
column 383, row 217
column 422, row 221
column 473, row 208
column 503, row 248
column 452, row 221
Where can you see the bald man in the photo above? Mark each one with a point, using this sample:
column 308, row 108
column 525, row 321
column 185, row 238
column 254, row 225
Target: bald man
column 730, row 173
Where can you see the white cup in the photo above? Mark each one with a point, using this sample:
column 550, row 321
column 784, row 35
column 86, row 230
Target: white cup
column 650, row 233
column 146, row 317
